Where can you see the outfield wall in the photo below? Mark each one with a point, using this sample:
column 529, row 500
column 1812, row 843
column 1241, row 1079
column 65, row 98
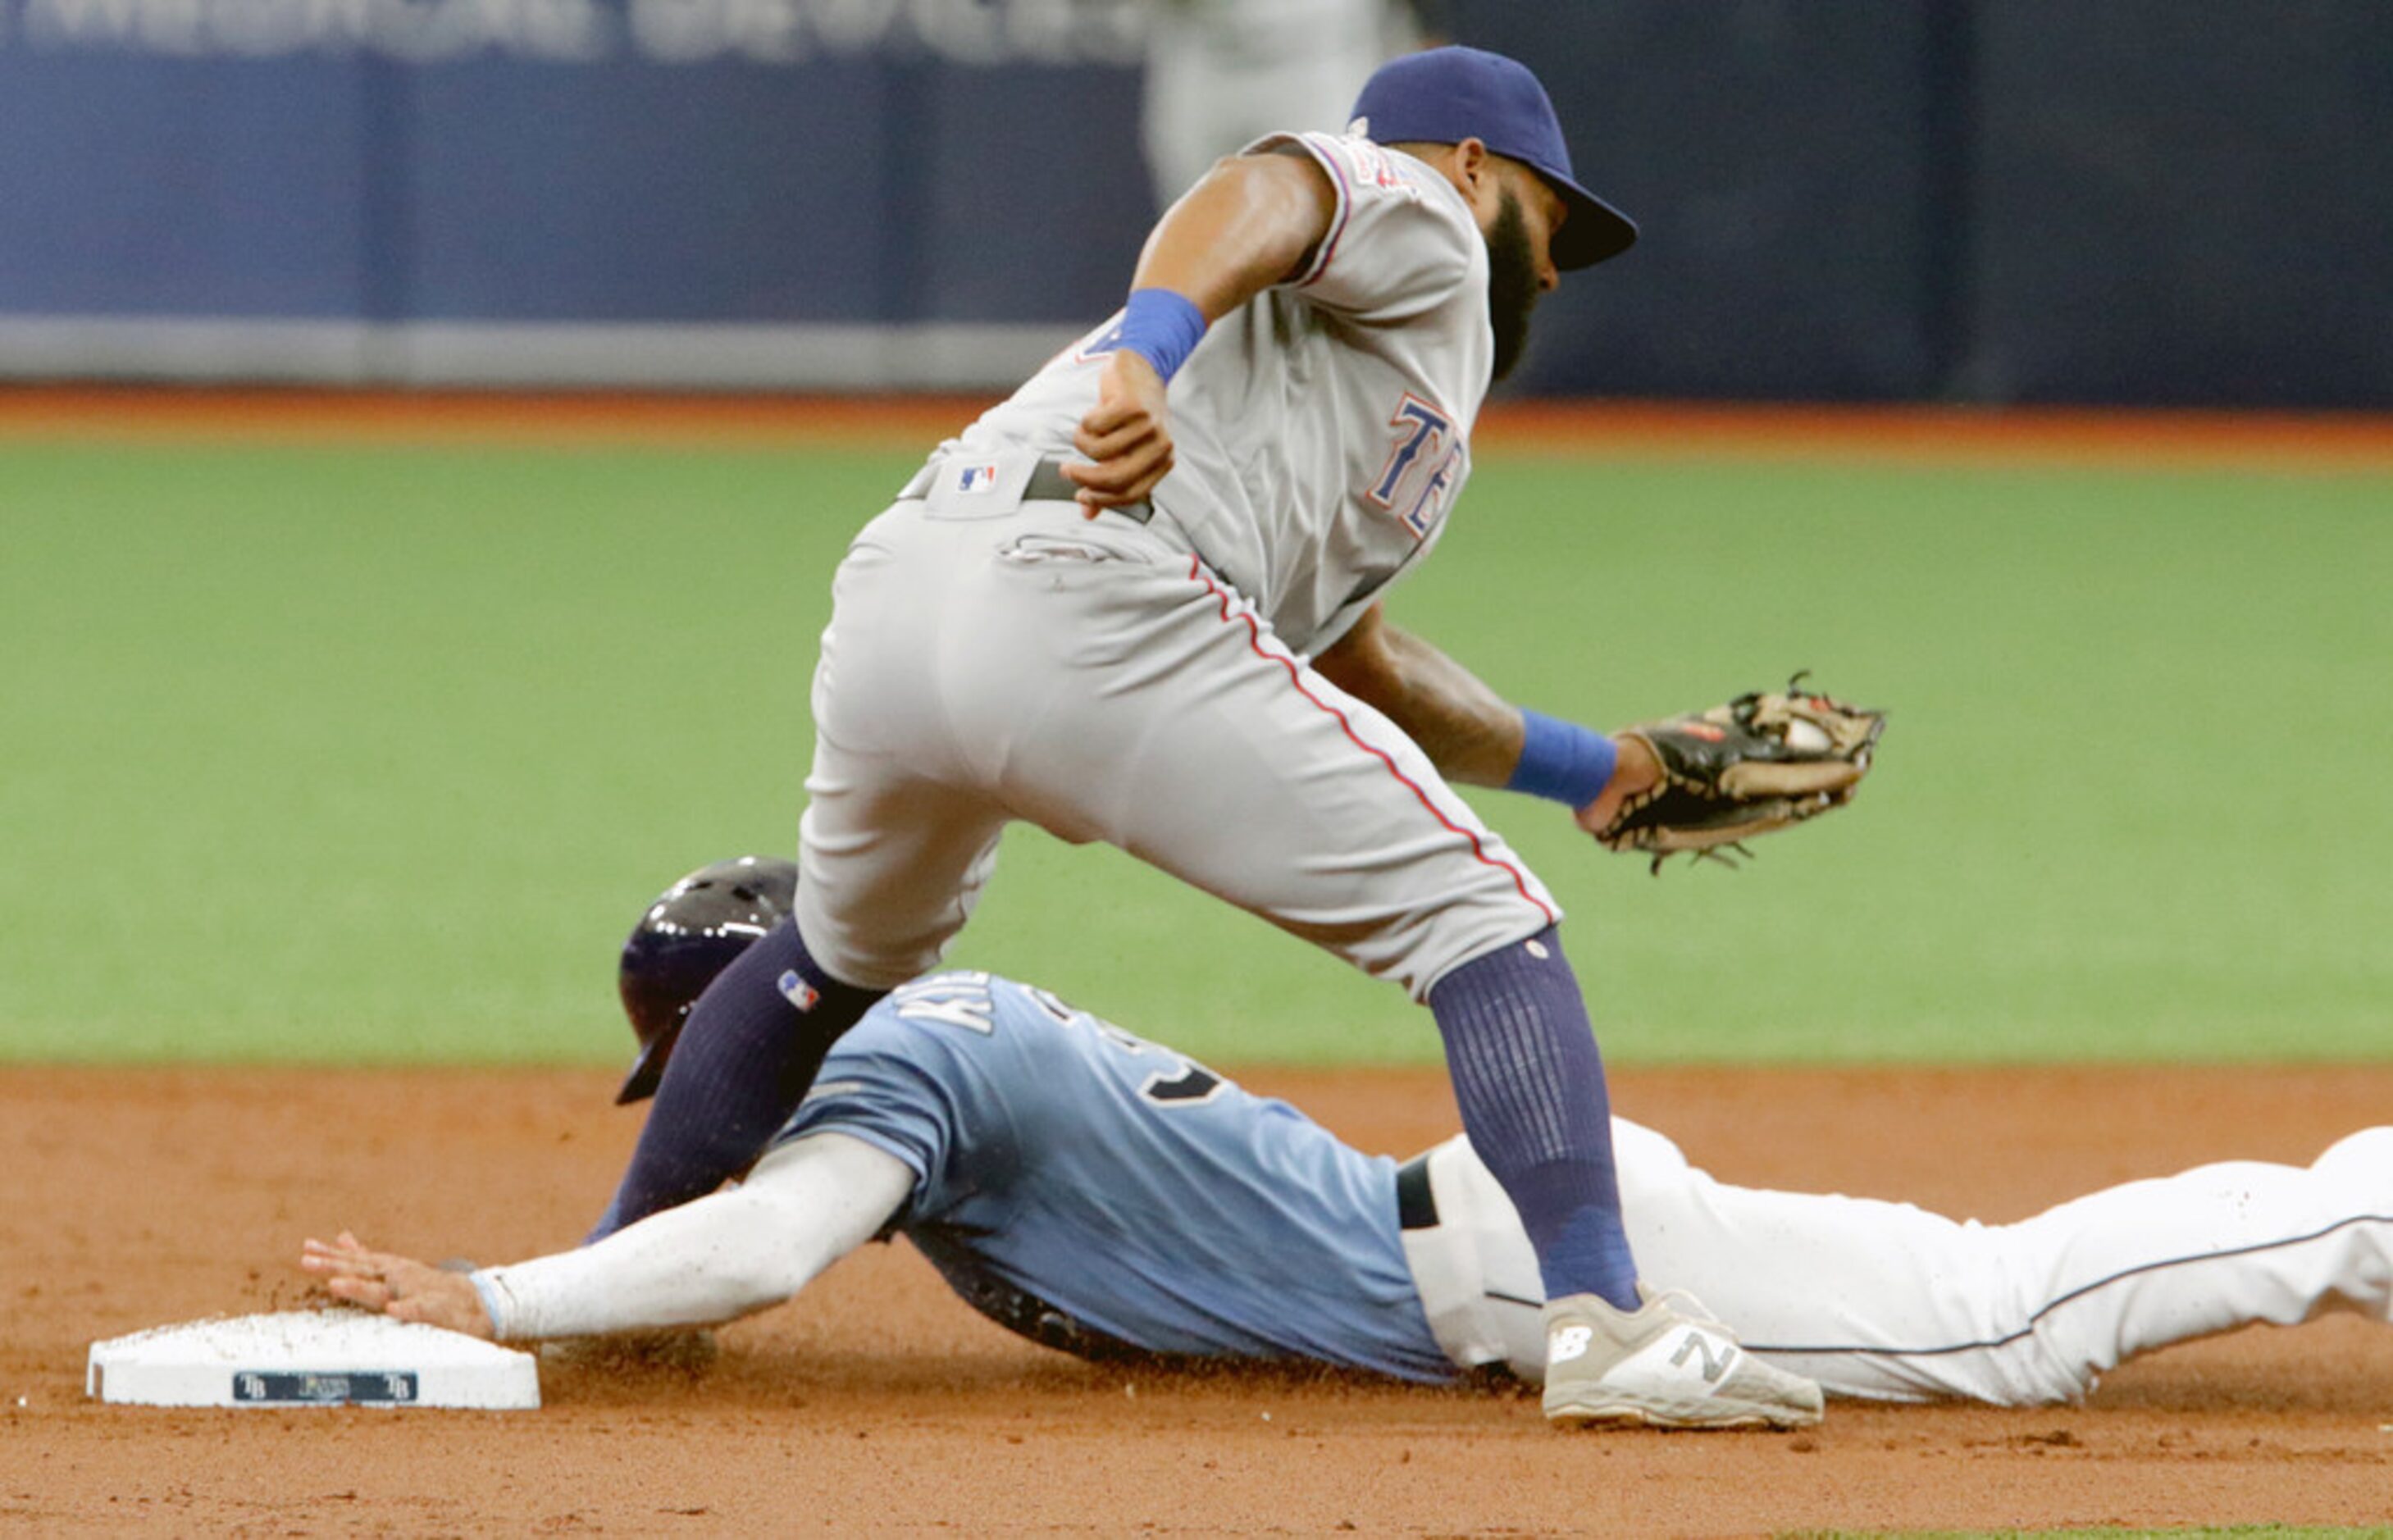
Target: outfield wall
column 2042, row 201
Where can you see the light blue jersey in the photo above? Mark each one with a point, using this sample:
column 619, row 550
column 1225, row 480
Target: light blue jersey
column 1067, row 1171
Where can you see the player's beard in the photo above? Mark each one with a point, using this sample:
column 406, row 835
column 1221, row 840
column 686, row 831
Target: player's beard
column 1512, row 283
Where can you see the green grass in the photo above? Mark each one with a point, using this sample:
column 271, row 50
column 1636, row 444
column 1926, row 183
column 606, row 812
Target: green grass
column 312, row 753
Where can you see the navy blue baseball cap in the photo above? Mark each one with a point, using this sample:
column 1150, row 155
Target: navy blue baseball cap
column 1444, row 95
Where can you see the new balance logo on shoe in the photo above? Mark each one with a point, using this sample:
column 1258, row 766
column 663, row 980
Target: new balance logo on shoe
column 1713, row 1368
column 1667, row 1364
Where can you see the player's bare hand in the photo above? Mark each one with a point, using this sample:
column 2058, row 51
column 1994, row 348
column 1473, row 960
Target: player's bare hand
column 1633, row 772
column 398, row 1286
column 1124, row 436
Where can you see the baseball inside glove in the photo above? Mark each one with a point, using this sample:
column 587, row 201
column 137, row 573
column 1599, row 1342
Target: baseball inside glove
column 1760, row 763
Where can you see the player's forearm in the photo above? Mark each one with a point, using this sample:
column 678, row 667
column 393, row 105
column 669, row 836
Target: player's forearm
column 712, row 1259
column 674, row 1268
column 1475, row 737
column 1472, row 733
column 1246, row 225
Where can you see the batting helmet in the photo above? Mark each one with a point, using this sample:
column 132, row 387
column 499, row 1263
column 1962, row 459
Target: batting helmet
column 690, row 934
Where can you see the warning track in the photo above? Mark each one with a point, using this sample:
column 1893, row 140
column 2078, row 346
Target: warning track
column 2185, row 440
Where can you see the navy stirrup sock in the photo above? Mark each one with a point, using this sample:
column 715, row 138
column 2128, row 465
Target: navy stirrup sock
column 751, row 1047
column 1530, row 1084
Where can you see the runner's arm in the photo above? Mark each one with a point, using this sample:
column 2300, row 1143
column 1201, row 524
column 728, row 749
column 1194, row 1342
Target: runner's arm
column 806, row 1205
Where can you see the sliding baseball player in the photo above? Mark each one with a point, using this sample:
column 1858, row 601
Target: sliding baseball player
column 1109, row 1197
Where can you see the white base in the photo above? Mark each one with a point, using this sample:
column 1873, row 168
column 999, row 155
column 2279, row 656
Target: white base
column 309, row 1358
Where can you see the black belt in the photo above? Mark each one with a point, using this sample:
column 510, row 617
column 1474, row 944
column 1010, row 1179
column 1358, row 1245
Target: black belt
column 1416, row 1205
column 1047, row 484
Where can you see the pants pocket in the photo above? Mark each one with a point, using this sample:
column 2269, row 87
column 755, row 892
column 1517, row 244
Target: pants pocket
column 1062, row 549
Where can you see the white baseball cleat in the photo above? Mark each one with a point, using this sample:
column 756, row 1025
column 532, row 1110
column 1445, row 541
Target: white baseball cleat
column 1667, row 1364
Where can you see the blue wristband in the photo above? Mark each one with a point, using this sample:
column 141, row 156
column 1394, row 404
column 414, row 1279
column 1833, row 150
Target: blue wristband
column 1163, row 326
column 1561, row 760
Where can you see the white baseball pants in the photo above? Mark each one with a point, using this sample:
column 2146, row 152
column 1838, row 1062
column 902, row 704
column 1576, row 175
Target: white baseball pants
column 1891, row 1302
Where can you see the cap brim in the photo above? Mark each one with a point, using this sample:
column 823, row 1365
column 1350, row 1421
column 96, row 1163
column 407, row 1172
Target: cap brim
column 1595, row 230
column 647, row 1070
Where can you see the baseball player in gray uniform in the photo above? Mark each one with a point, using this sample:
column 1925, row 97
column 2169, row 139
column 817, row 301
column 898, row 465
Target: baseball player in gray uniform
column 1140, row 602
column 1105, row 1195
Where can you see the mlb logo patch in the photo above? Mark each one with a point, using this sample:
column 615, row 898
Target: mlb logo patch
column 797, row 991
column 977, row 478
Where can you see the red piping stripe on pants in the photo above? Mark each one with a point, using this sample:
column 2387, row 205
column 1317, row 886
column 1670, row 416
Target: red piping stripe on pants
column 1255, row 641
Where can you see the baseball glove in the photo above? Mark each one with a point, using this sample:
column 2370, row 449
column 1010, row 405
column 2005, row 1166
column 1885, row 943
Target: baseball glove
column 1760, row 763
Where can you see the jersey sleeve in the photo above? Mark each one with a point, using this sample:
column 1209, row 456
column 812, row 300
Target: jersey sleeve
column 1401, row 240
column 930, row 1076
column 891, row 1100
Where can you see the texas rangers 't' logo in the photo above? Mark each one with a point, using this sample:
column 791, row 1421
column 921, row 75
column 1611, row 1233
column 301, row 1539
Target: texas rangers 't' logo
column 1422, row 434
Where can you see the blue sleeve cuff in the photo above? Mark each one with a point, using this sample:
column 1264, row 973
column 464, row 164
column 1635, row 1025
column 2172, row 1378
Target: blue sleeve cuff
column 1563, row 760
column 1163, row 326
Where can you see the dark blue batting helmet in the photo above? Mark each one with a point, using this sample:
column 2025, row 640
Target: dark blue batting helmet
column 690, row 934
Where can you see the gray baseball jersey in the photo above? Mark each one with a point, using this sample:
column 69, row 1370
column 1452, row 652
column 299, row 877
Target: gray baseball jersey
column 995, row 656
column 1321, row 431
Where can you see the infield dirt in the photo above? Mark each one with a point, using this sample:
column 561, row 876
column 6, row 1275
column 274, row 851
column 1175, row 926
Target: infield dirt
column 878, row 1404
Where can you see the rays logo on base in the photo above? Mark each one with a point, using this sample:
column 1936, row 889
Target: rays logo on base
column 318, row 1388
column 797, row 991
